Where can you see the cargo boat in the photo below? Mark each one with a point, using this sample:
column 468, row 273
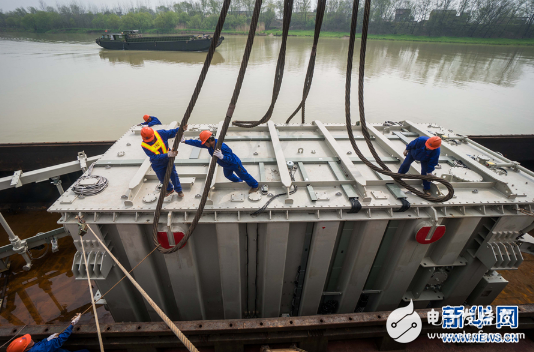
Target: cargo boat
column 133, row 40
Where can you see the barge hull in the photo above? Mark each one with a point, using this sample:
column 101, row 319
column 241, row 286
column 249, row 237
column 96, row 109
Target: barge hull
column 361, row 331
column 189, row 45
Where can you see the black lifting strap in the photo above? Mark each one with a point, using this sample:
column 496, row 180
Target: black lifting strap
column 405, row 206
column 355, row 205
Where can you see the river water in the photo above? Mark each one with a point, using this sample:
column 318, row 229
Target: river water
column 67, row 88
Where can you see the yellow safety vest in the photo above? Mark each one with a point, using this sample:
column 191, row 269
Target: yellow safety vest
column 155, row 148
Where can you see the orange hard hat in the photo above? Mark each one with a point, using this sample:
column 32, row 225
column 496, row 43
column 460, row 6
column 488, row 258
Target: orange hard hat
column 20, row 344
column 433, row 143
column 146, row 117
column 147, row 133
column 204, row 135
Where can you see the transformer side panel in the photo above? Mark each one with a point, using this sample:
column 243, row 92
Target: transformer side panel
column 152, row 274
column 207, row 255
column 273, row 241
column 321, row 251
column 293, row 268
column 363, row 246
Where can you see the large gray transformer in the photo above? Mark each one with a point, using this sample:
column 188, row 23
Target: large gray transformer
column 310, row 252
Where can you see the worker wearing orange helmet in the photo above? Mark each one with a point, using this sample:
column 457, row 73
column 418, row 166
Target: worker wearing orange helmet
column 150, row 121
column 426, row 150
column 51, row 344
column 232, row 167
column 156, row 146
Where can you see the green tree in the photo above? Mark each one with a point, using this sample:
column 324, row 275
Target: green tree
column 183, row 18
column 140, row 20
column 210, row 22
column 195, row 22
column 113, row 21
column 166, row 20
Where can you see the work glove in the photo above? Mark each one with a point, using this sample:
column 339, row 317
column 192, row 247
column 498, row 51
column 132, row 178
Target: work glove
column 172, row 153
column 183, row 139
column 76, row 319
column 218, row 154
column 53, row 336
column 405, row 152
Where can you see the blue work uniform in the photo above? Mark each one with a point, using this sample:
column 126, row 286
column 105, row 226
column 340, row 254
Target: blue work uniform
column 54, row 345
column 157, row 152
column 153, row 121
column 231, row 164
column 428, row 158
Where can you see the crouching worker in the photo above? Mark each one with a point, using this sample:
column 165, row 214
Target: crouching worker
column 150, row 121
column 51, row 344
column 231, row 164
column 155, row 144
column 426, row 150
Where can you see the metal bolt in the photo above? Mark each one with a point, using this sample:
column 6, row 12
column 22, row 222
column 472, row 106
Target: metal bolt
column 128, row 144
column 108, row 166
column 313, row 151
column 349, row 152
column 197, row 196
column 475, row 191
column 338, row 193
column 255, row 153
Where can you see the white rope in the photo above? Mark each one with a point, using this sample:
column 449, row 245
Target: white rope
column 92, row 297
column 162, row 315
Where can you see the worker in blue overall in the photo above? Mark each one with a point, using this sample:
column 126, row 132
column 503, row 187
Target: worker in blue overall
column 51, row 344
column 231, row 164
column 150, row 121
column 155, row 144
column 426, row 150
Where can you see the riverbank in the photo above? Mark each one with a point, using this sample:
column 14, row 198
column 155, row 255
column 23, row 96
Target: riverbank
column 412, row 38
column 324, row 34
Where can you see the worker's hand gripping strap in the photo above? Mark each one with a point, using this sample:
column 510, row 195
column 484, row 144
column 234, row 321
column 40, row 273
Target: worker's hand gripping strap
column 355, row 205
column 82, row 226
column 382, row 168
column 405, row 206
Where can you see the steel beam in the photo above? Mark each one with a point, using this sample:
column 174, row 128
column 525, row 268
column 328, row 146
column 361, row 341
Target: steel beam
column 321, row 251
column 228, row 244
column 279, row 154
column 46, row 173
column 361, row 252
column 35, row 241
column 249, row 161
column 348, row 165
column 273, row 241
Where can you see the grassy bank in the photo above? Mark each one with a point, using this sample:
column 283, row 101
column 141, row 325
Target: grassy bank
column 413, row 38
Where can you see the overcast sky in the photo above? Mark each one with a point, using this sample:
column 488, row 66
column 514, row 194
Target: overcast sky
column 9, row 5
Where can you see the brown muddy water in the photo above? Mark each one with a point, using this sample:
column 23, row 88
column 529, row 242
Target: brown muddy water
column 67, row 88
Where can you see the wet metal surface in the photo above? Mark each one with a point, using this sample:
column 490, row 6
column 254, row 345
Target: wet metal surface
column 48, row 293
